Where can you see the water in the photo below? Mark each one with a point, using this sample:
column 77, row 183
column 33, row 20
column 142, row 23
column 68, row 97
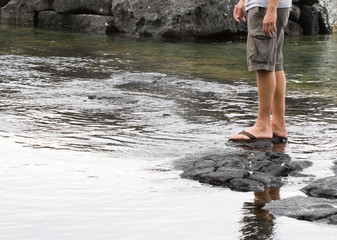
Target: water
column 92, row 126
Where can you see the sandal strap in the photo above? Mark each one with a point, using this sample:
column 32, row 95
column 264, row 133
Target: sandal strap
column 251, row 136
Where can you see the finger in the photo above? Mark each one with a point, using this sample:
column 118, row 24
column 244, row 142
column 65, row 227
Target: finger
column 236, row 14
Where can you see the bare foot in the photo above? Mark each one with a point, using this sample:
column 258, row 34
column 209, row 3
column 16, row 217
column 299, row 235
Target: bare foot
column 257, row 132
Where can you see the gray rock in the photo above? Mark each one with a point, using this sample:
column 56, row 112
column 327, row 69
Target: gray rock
column 246, row 185
column 309, row 2
column 305, row 208
column 175, row 19
column 329, row 13
column 102, row 7
column 240, row 170
column 323, row 19
column 223, row 177
column 309, row 20
column 23, row 13
column 295, row 13
column 324, row 188
column 78, row 23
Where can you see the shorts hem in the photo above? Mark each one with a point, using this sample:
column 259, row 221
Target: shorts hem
column 269, row 68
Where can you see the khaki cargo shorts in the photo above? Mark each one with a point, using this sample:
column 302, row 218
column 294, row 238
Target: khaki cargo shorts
column 265, row 52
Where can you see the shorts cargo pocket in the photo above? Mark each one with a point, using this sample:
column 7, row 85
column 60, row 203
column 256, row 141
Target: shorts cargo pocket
column 261, row 50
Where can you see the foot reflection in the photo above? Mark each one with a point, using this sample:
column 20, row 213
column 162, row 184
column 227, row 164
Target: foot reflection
column 258, row 223
column 279, row 147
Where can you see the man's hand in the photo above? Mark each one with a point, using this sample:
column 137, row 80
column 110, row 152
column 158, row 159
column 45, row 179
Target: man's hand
column 269, row 21
column 240, row 11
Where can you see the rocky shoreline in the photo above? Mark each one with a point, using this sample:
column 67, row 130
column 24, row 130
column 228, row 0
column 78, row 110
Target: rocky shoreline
column 258, row 171
column 166, row 20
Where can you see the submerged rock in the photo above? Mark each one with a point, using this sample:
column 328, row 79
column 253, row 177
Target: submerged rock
column 305, row 208
column 241, row 170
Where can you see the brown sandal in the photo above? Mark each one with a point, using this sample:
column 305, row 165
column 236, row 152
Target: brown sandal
column 251, row 139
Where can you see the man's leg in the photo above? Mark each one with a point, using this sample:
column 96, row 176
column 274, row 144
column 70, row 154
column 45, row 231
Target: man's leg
column 278, row 120
column 266, row 84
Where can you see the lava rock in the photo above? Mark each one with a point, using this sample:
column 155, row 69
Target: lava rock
column 76, row 23
column 102, row 7
column 185, row 20
column 23, row 13
column 305, row 208
column 309, row 20
column 295, row 13
column 309, row 2
column 323, row 188
column 240, row 170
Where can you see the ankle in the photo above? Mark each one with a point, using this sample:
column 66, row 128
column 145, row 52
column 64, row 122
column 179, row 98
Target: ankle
column 263, row 125
column 279, row 130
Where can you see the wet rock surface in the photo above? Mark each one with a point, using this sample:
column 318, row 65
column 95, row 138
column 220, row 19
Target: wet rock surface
column 319, row 206
column 256, row 171
column 305, row 208
column 102, row 7
column 76, row 23
column 323, row 188
column 241, row 170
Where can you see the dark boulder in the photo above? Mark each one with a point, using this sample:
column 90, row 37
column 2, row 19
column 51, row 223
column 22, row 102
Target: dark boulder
column 309, row 20
column 309, row 2
column 3, row 2
column 175, row 19
column 323, row 19
column 324, row 188
column 102, row 7
column 295, row 13
column 23, row 13
column 305, row 208
column 76, row 23
column 240, row 170
column 293, row 29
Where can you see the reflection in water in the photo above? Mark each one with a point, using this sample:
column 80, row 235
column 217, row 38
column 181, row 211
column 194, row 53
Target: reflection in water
column 257, row 223
column 264, row 147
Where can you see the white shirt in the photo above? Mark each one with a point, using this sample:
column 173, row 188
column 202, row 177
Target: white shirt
column 264, row 3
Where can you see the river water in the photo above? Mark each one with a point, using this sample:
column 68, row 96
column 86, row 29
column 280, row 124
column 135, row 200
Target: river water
column 91, row 128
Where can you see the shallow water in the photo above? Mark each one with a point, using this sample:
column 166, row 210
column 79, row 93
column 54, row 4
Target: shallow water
column 92, row 126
